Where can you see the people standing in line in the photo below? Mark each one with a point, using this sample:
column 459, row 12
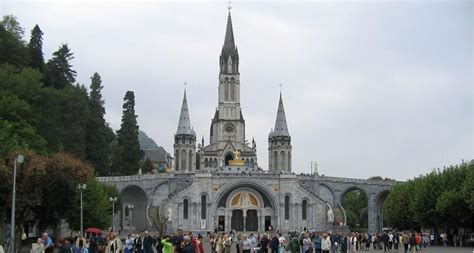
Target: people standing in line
column 219, row 243
column 317, row 243
column 307, row 244
column 147, row 242
column 413, row 242
column 282, row 243
column 253, row 241
column 246, row 245
column 200, row 244
column 187, row 245
column 264, row 243
column 274, row 244
column 138, row 244
column 158, row 245
column 167, row 245
column 114, row 244
column 325, row 244
column 48, row 243
column 128, row 247
column 227, row 243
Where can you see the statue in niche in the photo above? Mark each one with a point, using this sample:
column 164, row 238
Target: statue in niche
column 330, row 216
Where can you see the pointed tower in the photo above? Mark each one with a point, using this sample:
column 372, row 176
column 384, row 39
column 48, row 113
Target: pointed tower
column 279, row 143
column 184, row 142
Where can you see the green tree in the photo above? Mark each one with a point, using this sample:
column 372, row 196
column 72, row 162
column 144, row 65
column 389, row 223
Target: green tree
column 45, row 187
column 99, row 134
column 12, row 49
column 129, row 151
column 16, row 132
column 355, row 204
column 12, row 25
column 59, row 73
column 147, row 166
column 97, row 208
column 397, row 212
column 36, row 49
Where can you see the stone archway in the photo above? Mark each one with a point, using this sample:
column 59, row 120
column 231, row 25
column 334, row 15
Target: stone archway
column 379, row 200
column 228, row 156
column 134, row 219
column 355, row 205
column 248, row 218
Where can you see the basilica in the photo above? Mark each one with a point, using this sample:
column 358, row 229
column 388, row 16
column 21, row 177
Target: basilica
column 219, row 186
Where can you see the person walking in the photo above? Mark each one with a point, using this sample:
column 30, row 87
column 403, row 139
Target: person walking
column 307, row 244
column 317, row 243
column 114, row 245
column 246, row 244
column 147, row 243
column 405, row 242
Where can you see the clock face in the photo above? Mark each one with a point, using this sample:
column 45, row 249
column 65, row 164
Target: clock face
column 229, row 127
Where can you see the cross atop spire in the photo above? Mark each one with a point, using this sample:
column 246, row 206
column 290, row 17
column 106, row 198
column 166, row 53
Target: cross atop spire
column 229, row 7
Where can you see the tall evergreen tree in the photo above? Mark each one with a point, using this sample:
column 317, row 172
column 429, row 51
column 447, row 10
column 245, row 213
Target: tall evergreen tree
column 127, row 138
column 11, row 24
column 99, row 135
column 36, row 49
column 59, row 72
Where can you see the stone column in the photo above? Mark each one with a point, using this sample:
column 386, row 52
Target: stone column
column 372, row 214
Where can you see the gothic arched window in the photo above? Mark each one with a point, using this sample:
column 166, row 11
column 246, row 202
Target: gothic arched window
column 304, row 209
column 275, row 160
column 182, row 165
column 176, row 160
column 232, row 91
column 206, row 163
column 252, row 164
column 226, row 90
column 185, row 209
column 287, row 207
column 203, row 207
column 190, row 160
column 283, row 160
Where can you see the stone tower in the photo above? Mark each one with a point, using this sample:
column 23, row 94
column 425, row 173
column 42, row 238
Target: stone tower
column 279, row 143
column 184, row 142
column 227, row 132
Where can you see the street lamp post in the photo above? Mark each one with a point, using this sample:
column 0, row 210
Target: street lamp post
column 130, row 210
column 18, row 159
column 113, row 199
column 81, row 187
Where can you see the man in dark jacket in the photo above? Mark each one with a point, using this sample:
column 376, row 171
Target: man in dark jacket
column 385, row 239
column 138, row 244
column 186, row 245
column 147, row 243
column 274, row 244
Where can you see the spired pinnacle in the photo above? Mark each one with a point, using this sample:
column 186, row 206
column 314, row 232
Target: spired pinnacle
column 184, row 125
column 229, row 58
column 281, row 127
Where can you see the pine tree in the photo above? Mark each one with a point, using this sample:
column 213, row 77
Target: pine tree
column 11, row 24
column 99, row 135
column 36, row 49
column 59, row 72
column 127, row 138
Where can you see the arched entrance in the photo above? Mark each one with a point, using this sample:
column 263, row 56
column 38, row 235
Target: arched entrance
column 134, row 204
column 245, row 206
column 379, row 209
column 229, row 156
column 355, row 203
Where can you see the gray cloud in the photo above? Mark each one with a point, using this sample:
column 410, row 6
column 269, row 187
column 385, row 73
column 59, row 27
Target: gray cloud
column 369, row 88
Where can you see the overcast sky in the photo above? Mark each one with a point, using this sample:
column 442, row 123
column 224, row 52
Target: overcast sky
column 369, row 87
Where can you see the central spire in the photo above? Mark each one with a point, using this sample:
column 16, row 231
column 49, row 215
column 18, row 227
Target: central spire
column 229, row 59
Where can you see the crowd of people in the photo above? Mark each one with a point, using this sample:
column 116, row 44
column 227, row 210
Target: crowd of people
column 221, row 242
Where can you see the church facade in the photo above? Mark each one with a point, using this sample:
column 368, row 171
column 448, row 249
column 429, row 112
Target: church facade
column 219, row 186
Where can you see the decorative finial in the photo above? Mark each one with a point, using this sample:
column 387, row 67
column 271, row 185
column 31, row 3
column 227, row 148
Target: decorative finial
column 280, row 86
column 229, row 7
